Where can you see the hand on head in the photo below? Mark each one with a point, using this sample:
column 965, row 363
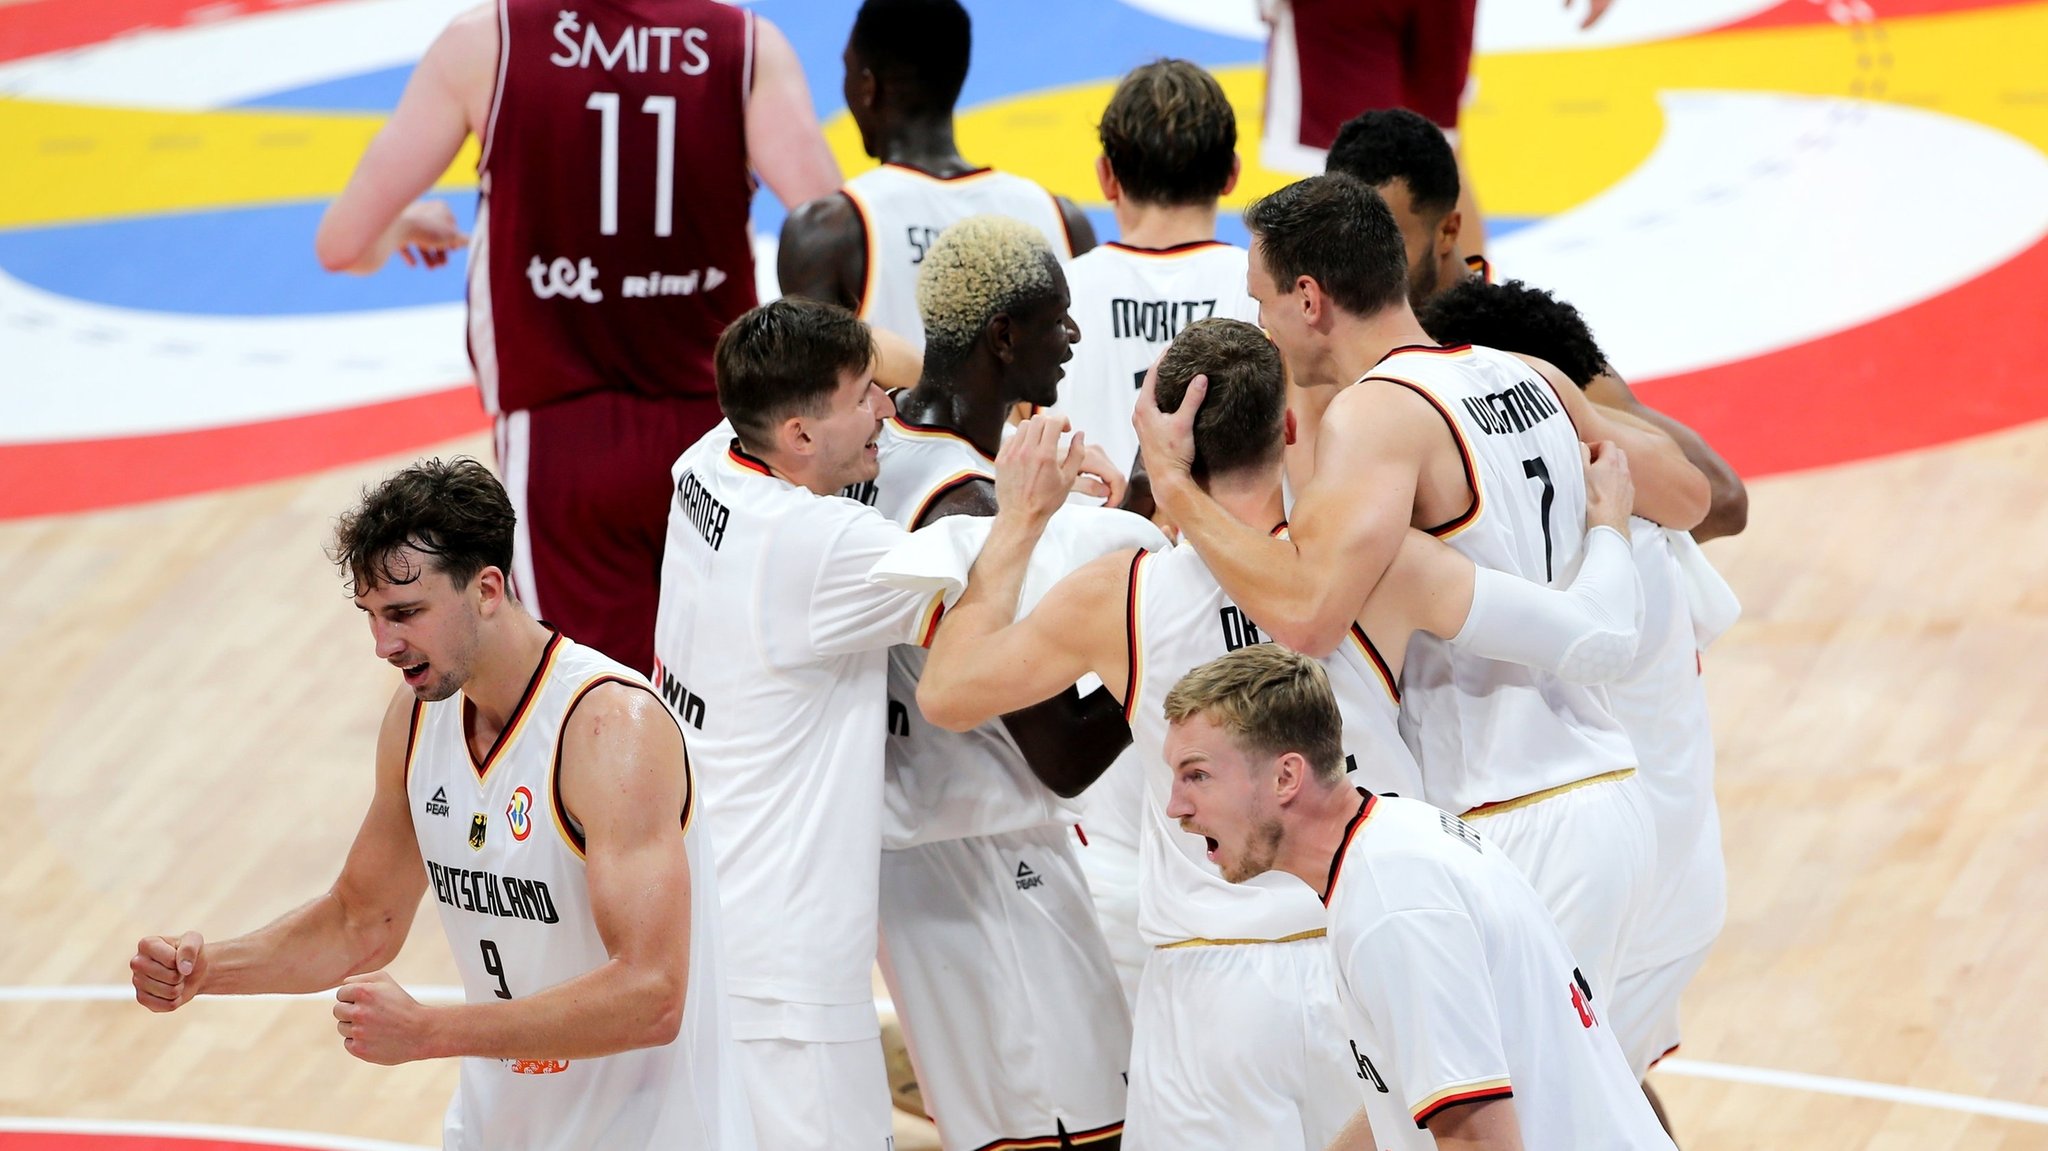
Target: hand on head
column 1167, row 439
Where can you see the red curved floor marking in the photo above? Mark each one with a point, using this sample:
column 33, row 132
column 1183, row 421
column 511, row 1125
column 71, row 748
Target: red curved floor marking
column 81, row 475
column 1964, row 363
column 68, row 1141
column 1794, row 13
column 39, row 26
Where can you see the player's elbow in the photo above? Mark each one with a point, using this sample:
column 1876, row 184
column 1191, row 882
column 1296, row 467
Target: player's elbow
column 334, row 253
column 1313, row 634
column 661, row 1017
column 1728, row 511
column 943, row 707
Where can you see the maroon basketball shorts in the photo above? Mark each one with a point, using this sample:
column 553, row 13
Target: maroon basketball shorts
column 589, row 478
column 1348, row 56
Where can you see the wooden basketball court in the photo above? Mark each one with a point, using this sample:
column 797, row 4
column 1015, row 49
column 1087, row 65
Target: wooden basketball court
column 189, row 703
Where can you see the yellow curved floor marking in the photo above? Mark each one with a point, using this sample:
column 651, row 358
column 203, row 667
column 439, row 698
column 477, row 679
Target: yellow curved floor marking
column 85, row 163
column 1548, row 130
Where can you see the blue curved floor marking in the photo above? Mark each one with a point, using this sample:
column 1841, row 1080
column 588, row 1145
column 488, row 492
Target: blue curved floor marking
column 367, row 92
column 240, row 262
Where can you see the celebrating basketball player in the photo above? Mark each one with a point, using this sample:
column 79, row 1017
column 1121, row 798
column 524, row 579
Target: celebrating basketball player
column 617, row 139
column 1475, row 446
column 989, row 932
column 1233, row 1005
column 543, row 794
column 905, row 63
column 1467, row 1014
column 772, row 646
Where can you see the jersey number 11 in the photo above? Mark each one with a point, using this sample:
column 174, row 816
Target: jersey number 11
column 663, row 109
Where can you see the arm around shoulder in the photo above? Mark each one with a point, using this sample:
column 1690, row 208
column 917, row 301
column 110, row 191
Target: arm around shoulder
column 1670, row 489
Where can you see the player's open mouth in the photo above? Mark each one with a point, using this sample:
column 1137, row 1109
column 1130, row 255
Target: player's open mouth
column 1212, row 846
column 415, row 674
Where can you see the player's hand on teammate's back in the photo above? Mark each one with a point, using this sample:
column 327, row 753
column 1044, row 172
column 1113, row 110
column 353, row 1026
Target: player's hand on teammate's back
column 379, row 1021
column 1166, row 440
column 167, row 972
column 1033, row 476
column 426, row 233
column 1610, row 491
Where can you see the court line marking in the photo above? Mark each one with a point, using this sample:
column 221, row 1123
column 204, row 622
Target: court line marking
column 1686, row 1068
column 314, row 1140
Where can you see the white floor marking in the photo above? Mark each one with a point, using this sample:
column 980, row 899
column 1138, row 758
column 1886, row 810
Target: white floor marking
column 1686, row 1068
column 313, row 1140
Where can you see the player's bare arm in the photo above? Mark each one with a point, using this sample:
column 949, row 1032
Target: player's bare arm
column 1347, row 523
column 623, row 778
column 1585, row 632
column 784, row 144
column 824, row 252
column 357, row 926
column 445, row 101
column 983, row 665
column 1728, row 510
column 1080, row 229
column 1487, row 1125
column 1670, row 490
column 1356, row 1135
column 1067, row 739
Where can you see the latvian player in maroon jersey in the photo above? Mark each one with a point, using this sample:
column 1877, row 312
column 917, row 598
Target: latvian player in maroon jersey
column 612, row 247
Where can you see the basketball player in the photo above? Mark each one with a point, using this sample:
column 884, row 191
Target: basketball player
column 1410, row 164
column 772, row 646
column 1015, row 1020
column 905, row 63
column 612, row 247
column 1234, row 1045
column 545, row 796
column 1468, row 1016
column 1169, row 151
column 1475, row 446
column 1661, row 700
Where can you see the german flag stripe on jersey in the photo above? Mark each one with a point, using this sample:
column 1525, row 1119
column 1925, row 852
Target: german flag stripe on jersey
column 1453, row 526
column 1365, row 807
column 1133, row 649
column 1372, row 654
column 520, row 714
column 1461, row 1093
column 1165, row 253
column 564, row 826
column 1048, row 1142
column 872, row 267
column 953, row 482
column 933, row 615
column 412, row 737
column 739, row 456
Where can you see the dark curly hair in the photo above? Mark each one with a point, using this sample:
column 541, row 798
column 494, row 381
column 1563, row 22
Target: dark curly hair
column 453, row 511
column 1515, row 317
column 1393, row 143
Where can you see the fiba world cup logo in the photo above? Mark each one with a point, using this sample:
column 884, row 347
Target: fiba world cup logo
column 519, row 813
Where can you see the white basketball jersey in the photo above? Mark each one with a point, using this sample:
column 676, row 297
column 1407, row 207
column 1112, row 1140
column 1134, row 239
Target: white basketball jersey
column 505, row 866
column 1179, row 619
column 1486, row 731
column 942, row 784
column 1130, row 303
column 904, row 210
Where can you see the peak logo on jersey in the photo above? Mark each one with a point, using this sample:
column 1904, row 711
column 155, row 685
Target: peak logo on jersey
column 519, row 813
column 1459, row 830
column 1027, row 878
column 478, row 826
column 537, row 1066
column 577, row 281
column 438, row 805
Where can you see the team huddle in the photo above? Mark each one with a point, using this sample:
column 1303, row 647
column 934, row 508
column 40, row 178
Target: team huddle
column 1239, row 698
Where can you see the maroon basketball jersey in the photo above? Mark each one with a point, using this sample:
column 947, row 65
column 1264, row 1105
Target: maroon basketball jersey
column 611, row 236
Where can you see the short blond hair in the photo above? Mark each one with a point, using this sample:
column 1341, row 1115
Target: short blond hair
column 1271, row 700
column 978, row 268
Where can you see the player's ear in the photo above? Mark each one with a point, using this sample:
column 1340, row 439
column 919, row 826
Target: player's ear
column 1290, row 774
column 1236, row 167
column 1447, row 231
column 1105, row 179
column 1001, row 334
column 1287, row 422
column 1312, row 303
column 491, row 591
column 793, row 438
